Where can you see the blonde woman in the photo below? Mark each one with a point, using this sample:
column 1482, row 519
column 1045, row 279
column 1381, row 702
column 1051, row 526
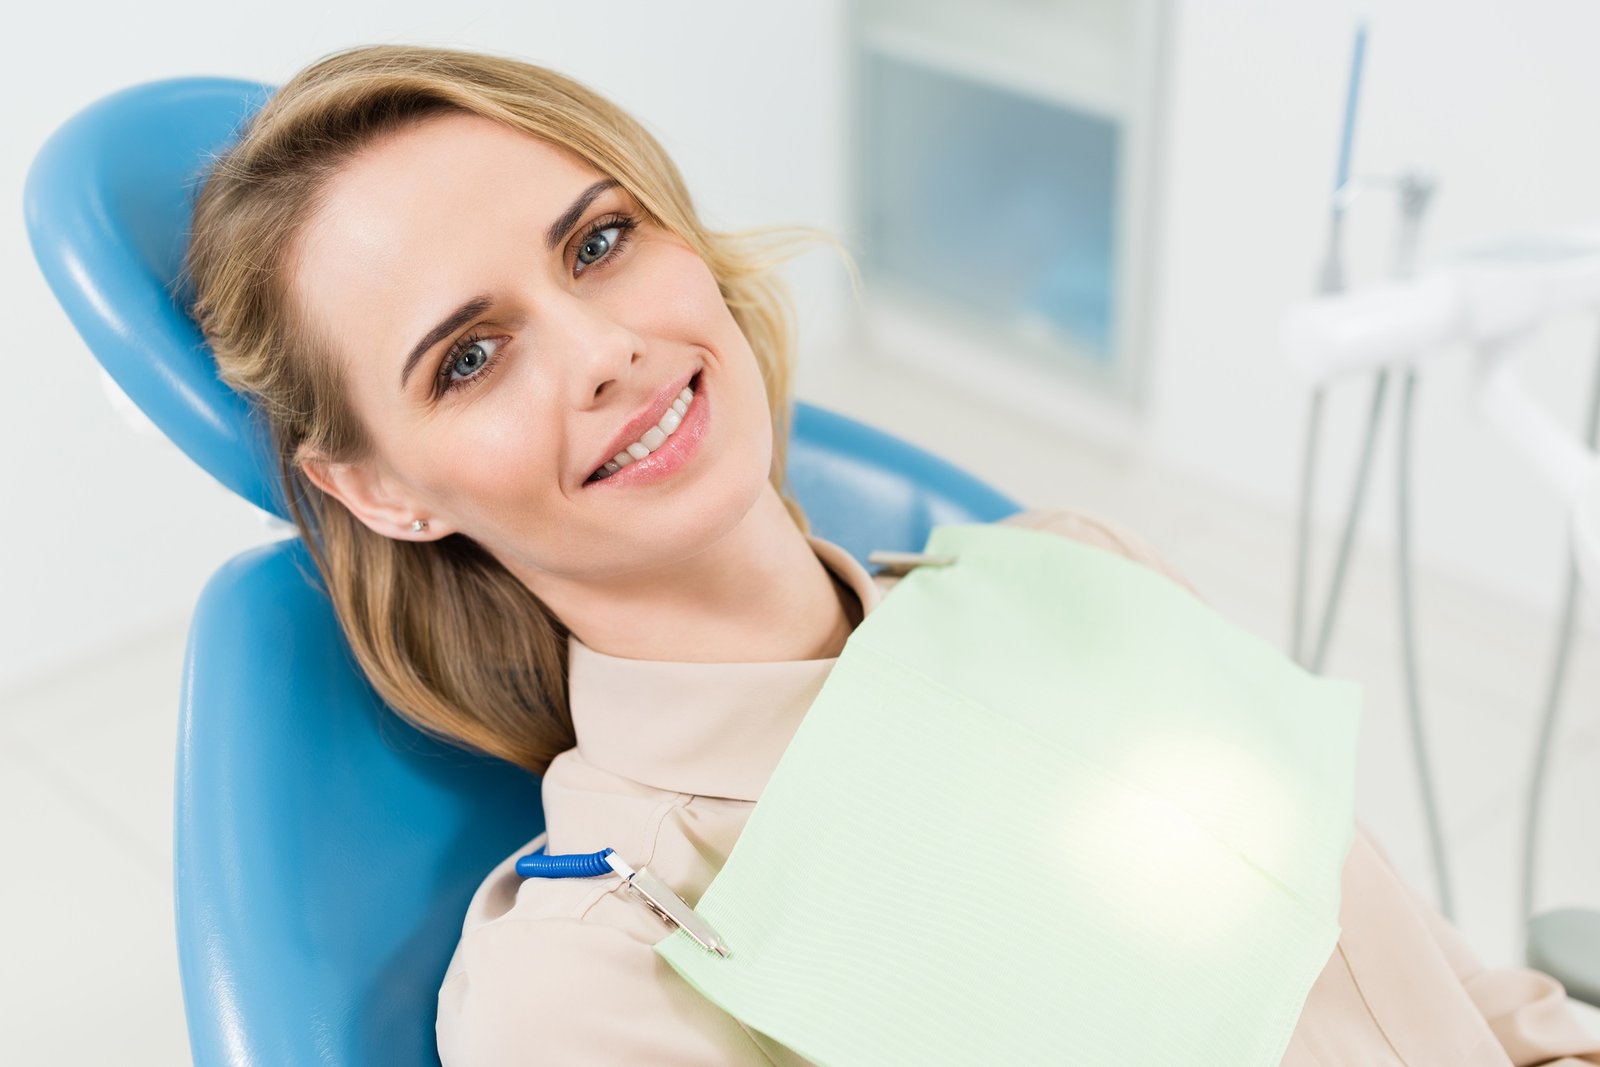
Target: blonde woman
column 531, row 415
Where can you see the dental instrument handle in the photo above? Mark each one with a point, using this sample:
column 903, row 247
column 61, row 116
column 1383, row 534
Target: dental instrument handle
column 1332, row 280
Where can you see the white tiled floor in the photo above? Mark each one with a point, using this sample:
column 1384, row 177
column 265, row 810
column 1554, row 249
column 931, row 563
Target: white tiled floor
column 86, row 759
column 86, row 764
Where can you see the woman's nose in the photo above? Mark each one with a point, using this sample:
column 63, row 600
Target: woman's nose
column 597, row 350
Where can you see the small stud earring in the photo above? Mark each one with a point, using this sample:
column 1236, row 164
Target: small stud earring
column 418, row 525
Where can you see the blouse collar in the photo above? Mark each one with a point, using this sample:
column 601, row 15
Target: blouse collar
column 709, row 729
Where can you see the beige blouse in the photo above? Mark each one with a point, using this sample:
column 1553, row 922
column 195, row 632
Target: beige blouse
column 670, row 760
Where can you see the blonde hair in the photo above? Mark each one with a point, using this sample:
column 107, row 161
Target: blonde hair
column 418, row 615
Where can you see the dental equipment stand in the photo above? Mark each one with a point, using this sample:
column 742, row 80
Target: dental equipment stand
column 1415, row 192
column 1491, row 301
column 1555, row 275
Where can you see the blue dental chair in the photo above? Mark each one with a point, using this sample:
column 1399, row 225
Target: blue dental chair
column 325, row 851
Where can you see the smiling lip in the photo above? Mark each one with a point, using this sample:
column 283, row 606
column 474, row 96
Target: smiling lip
column 677, row 452
column 647, row 417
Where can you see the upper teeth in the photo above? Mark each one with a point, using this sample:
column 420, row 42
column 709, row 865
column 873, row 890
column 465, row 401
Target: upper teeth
column 653, row 438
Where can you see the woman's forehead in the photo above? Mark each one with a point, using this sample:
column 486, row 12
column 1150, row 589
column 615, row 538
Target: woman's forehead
column 451, row 185
column 459, row 160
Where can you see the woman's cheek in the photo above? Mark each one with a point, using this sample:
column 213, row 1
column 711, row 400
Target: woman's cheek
column 490, row 455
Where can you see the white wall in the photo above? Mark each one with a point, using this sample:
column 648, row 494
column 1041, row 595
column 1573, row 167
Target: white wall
column 1499, row 102
column 108, row 533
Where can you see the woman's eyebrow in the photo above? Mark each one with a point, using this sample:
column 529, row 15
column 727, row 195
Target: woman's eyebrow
column 479, row 304
column 569, row 218
column 444, row 328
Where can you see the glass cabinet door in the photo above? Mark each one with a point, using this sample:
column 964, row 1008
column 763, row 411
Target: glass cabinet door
column 1001, row 158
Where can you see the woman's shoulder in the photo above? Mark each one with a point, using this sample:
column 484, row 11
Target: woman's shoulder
column 1098, row 531
column 559, row 989
column 564, row 970
column 1091, row 530
column 1083, row 526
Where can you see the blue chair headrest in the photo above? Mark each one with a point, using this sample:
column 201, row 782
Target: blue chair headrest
column 109, row 200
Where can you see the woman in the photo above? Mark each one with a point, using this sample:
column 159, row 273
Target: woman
column 531, row 418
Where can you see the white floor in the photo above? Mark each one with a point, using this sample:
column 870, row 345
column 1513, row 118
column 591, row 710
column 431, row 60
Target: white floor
column 86, row 758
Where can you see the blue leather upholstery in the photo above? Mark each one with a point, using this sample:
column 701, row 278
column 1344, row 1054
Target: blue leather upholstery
column 325, row 851
column 108, row 202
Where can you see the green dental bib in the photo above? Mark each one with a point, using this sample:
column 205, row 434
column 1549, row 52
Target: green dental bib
column 1048, row 807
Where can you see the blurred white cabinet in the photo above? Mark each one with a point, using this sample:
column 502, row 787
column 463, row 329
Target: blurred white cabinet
column 1003, row 166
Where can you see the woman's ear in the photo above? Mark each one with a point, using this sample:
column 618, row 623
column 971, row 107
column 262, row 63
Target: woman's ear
column 367, row 495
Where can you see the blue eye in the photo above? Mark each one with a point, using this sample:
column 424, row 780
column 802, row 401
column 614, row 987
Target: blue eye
column 604, row 241
column 471, row 358
column 466, row 361
column 599, row 244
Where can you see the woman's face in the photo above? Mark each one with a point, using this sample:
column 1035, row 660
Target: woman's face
column 500, row 323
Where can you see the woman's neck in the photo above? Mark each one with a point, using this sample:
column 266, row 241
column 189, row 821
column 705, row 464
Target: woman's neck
column 759, row 594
